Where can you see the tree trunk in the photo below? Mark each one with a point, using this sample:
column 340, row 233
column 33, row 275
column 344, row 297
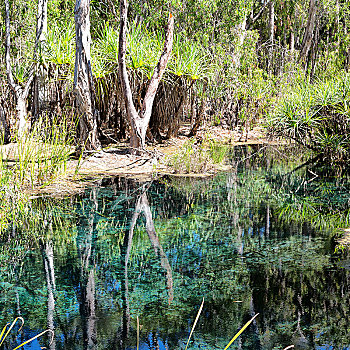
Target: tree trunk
column 200, row 115
column 21, row 108
column 241, row 34
column 271, row 35
column 314, row 52
column 40, row 80
column 309, row 31
column 292, row 41
column 139, row 121
column 83, row 79
column 20, row 93
column 4, row 129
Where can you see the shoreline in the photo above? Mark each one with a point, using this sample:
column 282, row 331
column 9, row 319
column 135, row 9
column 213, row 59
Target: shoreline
column 114, row 160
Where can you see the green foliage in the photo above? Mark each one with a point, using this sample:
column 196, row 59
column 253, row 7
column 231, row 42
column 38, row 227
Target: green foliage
column 198, row 158
column 60, row 45
column 317, row 116
column 189, row 59
column 39, row 157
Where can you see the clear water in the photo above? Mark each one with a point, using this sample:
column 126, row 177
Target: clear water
column 129, row 258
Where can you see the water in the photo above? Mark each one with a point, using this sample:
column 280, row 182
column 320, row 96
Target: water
column 129, row 257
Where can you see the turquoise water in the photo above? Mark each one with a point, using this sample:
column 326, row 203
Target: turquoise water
column 128, row 258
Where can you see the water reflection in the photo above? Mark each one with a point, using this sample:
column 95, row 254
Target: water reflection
column 257, row 240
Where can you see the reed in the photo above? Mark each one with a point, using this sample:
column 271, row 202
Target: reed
column 232, row 340
column 4, row 335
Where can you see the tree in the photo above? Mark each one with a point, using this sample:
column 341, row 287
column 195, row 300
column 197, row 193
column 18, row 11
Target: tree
column 21, row 93
column 139, row 120
column 83, row 80
column 271, row 34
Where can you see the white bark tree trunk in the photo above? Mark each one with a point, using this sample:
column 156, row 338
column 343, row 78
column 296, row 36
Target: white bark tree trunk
column 20, row 92
column 83, row 79
column 292, row 41
column 271, row 34
column 23, row 120
column 40, row 82
column 241, row 33
column 139, row 121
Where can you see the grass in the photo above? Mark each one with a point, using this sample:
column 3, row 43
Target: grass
column 195, row 157
column 39, row 158
column 8, row 327
column 33, row 162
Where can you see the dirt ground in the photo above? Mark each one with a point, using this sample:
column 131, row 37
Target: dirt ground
column 115, row 160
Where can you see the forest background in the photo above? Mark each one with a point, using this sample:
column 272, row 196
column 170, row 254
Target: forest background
column 233, row 63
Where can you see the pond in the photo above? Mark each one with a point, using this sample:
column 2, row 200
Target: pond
column 127, row 264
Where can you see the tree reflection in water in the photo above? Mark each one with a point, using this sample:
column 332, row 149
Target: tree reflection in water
column 142, row 207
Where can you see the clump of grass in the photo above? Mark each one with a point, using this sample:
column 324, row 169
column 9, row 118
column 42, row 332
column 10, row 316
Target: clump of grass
column 39, row 157
column 217, row 151
column 34, row 161
column 198, row 157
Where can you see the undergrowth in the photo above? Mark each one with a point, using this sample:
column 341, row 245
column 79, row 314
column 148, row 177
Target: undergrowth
column 317, row 116
column 198, row 156
column 32, row 162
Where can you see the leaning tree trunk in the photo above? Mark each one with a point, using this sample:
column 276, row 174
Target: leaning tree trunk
column 20, row 92
column 40, row 80
column 139, row 121
column 83, row 80
column 309, row 32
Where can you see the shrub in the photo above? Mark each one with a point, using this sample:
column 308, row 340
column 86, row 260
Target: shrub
column 317, row 117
